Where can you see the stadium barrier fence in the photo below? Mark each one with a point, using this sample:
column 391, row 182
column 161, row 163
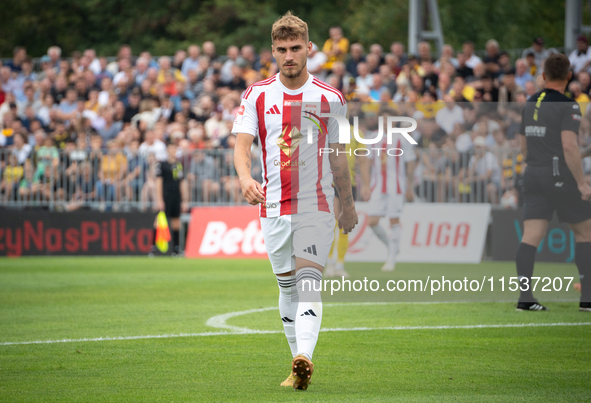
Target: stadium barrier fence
column 120, row 180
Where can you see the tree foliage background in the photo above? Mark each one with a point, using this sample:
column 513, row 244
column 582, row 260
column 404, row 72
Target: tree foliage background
column 165, row 26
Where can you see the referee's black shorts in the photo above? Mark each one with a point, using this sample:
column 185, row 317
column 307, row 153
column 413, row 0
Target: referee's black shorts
column 544, row 193
column 172, row 204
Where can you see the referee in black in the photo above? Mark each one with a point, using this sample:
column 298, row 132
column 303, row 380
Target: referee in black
column 553, row 179
column 172, row 192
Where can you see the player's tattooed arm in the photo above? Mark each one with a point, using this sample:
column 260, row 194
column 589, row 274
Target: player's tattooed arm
column 251, row 189
column 342, row 183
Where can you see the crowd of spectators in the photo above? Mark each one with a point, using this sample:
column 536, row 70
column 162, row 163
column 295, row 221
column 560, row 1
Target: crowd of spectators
column 82, row 128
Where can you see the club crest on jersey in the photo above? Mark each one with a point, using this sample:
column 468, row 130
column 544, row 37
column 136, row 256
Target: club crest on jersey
column 289, row 142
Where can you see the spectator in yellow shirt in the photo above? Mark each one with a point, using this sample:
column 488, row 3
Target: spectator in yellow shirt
column 336, row 47
column 112, row 172
column 166, row 67
column 579, row 96
column 11, row 177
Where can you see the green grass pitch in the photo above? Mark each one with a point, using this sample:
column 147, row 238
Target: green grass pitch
column 383, row 347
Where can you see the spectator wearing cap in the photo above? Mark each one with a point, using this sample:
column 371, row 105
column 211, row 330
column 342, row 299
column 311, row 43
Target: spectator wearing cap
column 316, row 61
column 580, row 58
column 336, row 47
column 355, row 58
column 539, row 52
column 471, row 59
column 522, row 74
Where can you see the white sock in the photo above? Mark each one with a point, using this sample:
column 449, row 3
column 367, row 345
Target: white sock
column 309, row 312
column 380, row 233
column 288, row 305
column 393, row 243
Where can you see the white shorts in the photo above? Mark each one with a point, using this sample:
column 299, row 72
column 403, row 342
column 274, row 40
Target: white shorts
column 385, row 204
column 304, row 235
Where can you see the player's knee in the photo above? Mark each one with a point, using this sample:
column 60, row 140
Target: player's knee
column 373, row 220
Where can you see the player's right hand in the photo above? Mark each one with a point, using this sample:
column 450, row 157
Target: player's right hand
column 585, row 190
column 347, row 220
column 252, row 191
column 160, row 205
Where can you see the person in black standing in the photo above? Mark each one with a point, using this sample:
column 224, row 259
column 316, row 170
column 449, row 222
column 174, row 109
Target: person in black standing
column 553, row 179
column 172, row 192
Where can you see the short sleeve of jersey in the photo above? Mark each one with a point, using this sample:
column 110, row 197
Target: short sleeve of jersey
column 571, row 117
column 158, row 170
column 333, row 126
column 246, row 120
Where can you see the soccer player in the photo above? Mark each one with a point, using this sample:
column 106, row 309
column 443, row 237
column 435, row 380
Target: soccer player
column 296, row 198
column 172, row 192
column 391, row 182
column 553, row 179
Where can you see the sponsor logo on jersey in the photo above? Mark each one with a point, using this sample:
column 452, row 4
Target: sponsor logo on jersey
column 535, row 131
column 576, row 117
column 239, row 115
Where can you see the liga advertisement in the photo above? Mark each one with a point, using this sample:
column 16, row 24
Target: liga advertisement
column 451, row 233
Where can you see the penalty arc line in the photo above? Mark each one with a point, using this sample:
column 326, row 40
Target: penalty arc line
column 337, row 329
column 219, row 322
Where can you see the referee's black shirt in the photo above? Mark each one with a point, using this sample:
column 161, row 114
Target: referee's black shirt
column 546, row 114
column 172, row 175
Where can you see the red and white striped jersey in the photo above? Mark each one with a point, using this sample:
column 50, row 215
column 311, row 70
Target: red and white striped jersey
column 296, row 176
column 388, row 173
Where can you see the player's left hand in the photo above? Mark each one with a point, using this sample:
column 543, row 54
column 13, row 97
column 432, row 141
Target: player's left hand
column 185, row 207
column 347, row 220
column 585, row 190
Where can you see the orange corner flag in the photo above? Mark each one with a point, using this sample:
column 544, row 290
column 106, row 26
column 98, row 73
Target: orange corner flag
column 162, row 232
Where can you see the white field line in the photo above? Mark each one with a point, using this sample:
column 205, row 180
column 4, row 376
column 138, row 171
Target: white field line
column 219, row 322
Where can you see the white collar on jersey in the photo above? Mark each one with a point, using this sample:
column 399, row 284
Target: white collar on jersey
column 299, row 90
